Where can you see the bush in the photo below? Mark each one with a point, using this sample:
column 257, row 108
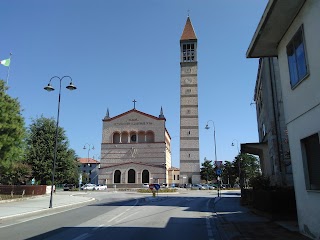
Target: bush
column 260, row 182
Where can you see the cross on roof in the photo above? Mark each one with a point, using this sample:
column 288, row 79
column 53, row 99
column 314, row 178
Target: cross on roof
column 134, row 103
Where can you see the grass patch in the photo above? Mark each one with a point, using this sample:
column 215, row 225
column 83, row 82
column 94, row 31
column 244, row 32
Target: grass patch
column 161, row 190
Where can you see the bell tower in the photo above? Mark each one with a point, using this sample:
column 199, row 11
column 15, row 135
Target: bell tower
column 189, row 124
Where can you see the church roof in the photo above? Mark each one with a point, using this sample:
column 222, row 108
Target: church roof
column 188, row 32
column 130, row 111
column 88, row 160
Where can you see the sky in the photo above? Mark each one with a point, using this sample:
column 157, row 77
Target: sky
column 116, row 51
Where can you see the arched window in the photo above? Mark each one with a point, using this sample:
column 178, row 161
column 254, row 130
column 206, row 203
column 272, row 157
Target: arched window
column 145, row 176
column 141, row 137
column 117, row 176
column 124, row 137
column 116, row 138
column 131, row 176
column 133, row 137
column 150, row 136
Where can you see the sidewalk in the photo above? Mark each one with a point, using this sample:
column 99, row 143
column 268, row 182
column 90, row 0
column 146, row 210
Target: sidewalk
column 234, row 221
column 18, row 207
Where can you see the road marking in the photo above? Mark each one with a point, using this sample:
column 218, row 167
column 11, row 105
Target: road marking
column 126, row 217
column 82, row 236
column 124, row 212
column 96, row 228
column 208, row 225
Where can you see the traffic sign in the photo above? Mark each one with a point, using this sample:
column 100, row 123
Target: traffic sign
column 218, row 164
column 157, row 186
column 218, row 171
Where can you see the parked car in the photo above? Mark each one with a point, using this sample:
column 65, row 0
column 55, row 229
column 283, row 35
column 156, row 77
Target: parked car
column 211, row 187
column 88, row 186
column 145, row 185
column 68, row 187
column 205, row 186
column 197, row 187
column 100, row 187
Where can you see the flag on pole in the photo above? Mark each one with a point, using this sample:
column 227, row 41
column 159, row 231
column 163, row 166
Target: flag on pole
column 5, row 62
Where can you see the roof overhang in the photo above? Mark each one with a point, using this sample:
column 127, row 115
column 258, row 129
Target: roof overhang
column 254, row 148
column 274, row 23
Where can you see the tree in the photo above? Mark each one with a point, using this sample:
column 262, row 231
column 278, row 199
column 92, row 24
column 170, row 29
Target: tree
column 206, row 172
column 249, row 166
column 12, row 135
column 40, row 153
column 229, row 173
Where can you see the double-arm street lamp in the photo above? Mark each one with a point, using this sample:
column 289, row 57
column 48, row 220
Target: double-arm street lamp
column 90, row 147
column 49, row 88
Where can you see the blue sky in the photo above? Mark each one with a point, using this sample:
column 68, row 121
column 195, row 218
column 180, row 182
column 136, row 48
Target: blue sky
column 120, row 50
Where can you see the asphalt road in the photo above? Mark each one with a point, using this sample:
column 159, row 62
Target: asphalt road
column 122, row 216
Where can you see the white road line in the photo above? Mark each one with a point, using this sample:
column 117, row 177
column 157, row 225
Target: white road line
column 209, row 229
column 82, row 236
column 124, row 212
column 96, row 228
column 34, row 218
column 119, row 220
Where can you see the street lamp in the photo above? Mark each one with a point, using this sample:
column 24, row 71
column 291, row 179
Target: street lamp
column 89, row 148
column 49, row 88
column 215, row 147
column 214, row 137
column 239, row 168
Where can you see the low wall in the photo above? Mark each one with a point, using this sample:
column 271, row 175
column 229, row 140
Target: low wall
column 280, row 203
column 19, row 189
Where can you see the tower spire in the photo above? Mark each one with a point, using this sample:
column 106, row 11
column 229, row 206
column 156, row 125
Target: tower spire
column 188, row 31
column 161, row 113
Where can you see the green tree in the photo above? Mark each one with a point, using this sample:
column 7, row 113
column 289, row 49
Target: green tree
column 12, row 134
column 206, row 171
column 229, row 173
column 249, row 167
column 40, row 153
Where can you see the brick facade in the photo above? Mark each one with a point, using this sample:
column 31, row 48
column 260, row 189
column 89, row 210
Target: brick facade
column 135, row 149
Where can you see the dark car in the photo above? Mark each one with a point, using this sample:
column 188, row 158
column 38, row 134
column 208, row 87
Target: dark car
column 69, row 187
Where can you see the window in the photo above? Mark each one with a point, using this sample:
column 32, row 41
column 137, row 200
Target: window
column 312, row 161
column 177, row 177
column 133, row 138
column 116, row 137
column 188, row 52
column 297, row 58
column 174, row 177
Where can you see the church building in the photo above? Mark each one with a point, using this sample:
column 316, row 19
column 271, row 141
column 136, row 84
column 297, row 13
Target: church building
column 135, row 149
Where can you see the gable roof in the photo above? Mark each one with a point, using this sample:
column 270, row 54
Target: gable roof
column 131, row 111
column 88, row 160
column 188, row 32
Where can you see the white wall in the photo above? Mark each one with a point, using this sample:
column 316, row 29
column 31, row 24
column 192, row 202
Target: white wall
column 302, row 111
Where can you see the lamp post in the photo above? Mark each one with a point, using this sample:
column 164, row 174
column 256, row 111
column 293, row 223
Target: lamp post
column 215, row 146
column 239, row 168
column 214, row 137
column 90, row 147
column 49, row 88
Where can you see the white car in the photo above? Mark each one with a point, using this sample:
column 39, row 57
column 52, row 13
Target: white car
column 88, row 186
column 100, row 187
